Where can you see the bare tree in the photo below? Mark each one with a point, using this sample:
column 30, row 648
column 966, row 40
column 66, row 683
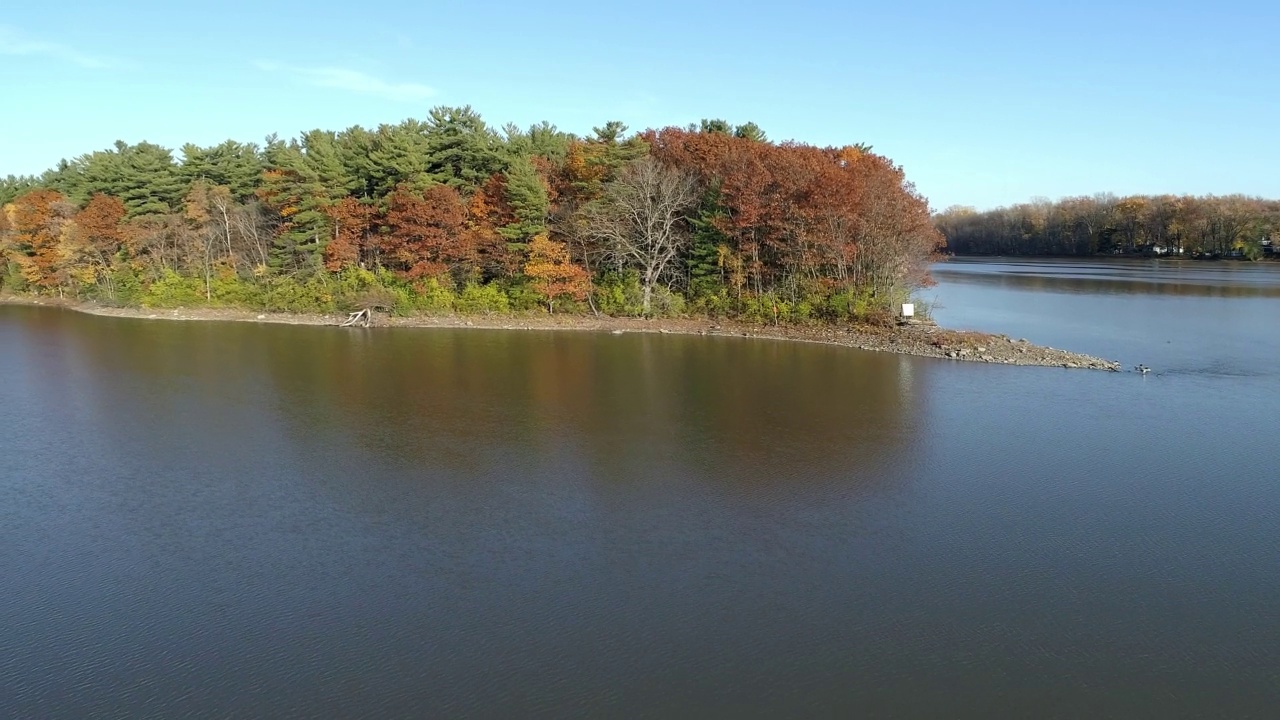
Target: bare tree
column 255, row 233
column 640, row 220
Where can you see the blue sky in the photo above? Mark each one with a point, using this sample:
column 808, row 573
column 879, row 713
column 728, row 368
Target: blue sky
column 983, row 103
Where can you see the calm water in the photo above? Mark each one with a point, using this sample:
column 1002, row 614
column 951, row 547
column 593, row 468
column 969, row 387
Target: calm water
column 234, row 520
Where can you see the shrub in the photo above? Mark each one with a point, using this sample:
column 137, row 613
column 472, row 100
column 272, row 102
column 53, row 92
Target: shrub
column 522, row 297
column 287, row 294
column 435, row 297
column 13, row 280
column 128, row 287
column 482, row 299
column 620, row 294
column 173, row 290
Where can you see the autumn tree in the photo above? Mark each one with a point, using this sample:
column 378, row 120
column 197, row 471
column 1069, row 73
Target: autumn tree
column 642, row 219
column 423, row 231
column 36, row 221
column 94, row 238
column 354, row 231
column 552, row 274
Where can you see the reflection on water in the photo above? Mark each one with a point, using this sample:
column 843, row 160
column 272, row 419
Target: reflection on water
column 221, row 519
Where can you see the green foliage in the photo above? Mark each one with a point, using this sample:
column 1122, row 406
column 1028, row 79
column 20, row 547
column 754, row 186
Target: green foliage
column 12, row 186
column 434, row 297
column 666, row 303
column 396, row 155
column 354, row 279
column 527, row 196
column 237, row 166
column 710, row 300
column 288, row 294
column 522, row 297
column 462, row 151
column 715, row 126
column 127, row 287
column 620, row 294
column 303, row 180
column 750, row 131
column 172, row 290
column 703, row 260
column 543, row 140
column 485, row 299
column 144, row 176
column 228, row 290
column 12, row 280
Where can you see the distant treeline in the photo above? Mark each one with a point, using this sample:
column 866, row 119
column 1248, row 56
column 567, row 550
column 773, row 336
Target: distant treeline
column 449, row 214
column 1208, row 226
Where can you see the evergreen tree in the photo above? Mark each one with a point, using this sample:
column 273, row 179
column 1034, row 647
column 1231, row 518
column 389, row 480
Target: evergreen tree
column 462, row 152
column 398, row 155
column 750, row 131
column 527, row 195
column 706, row 245
column 237, row 166
column 542, row 140
column 294, row 188
column 13, row 186
column 715, row 126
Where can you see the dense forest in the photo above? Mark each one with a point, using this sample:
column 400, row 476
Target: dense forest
column 1209, row 227
column 450, row 214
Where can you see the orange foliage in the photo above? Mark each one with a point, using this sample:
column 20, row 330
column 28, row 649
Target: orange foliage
column 36, row 221
column 554, row 276
column 487, row 250
column 99, row 223
column 354, row 226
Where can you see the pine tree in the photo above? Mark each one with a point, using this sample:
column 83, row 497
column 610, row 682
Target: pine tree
column 526, row 194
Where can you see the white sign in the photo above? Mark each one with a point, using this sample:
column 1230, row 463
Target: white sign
column 908, row 309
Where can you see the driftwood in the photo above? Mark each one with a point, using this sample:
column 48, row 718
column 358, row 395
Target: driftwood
column 361, row 318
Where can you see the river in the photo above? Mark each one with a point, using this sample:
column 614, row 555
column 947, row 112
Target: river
column 244, row 520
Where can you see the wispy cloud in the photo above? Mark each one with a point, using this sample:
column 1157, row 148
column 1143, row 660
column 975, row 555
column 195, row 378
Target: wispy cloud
column 353, row 81
column 13, row 42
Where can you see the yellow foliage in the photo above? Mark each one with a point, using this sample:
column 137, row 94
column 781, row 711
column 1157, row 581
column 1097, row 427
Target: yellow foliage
column 552, row 272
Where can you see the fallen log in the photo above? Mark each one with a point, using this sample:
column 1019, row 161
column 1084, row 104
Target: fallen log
column 362, row 318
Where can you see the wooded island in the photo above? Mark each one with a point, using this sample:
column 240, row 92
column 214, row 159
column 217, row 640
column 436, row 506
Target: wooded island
column 448, row 214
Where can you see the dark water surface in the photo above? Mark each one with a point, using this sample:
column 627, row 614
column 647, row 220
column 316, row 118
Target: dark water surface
column 235, row 520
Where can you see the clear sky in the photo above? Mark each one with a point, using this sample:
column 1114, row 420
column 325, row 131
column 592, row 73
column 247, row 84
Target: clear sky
column 984, row 103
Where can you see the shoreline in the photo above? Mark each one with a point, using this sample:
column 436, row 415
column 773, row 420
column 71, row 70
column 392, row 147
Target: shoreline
column 921, row 339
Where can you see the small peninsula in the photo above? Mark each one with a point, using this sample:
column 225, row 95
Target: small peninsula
column 708, row 229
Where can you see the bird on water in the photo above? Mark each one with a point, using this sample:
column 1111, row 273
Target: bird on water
column 1143, row 369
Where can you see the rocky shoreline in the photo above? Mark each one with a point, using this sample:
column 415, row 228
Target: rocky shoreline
column 916, row 338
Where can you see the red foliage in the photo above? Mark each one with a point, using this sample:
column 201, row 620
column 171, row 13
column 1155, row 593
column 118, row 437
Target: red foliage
column 424, row 232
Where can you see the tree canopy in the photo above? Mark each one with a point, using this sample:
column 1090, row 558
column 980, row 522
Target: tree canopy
column 445, row 212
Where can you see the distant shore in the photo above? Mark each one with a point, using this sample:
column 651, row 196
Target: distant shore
column 923, row 339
